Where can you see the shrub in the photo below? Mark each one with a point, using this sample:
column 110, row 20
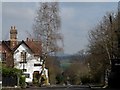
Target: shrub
column 11, row 71
column 22, row 81
column 6, row 72
column 85, row 79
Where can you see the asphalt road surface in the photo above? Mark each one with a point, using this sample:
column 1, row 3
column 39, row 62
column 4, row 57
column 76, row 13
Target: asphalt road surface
column 66, row 88
column 57, row 88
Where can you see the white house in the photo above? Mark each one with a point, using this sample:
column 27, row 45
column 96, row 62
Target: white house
column 26, row 60
column 24, row 55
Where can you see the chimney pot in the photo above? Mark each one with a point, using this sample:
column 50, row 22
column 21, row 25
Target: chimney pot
column 11, row 27
column 14, row 27
column 27, row 39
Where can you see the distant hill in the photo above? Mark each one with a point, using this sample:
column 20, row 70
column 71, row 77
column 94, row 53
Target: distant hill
column 66, row 60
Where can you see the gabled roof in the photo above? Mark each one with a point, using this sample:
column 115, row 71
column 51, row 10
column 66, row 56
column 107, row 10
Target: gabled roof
column 6, row 44
column 35, row 46
column 22, row 42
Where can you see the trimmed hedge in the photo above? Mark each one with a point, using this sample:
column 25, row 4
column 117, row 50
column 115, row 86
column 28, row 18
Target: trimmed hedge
column 11, row 71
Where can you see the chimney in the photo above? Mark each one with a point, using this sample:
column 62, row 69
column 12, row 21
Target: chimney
column 13, row 37
column 11, row 27
column 27, row 39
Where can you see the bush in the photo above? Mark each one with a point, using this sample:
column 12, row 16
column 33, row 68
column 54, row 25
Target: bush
column 35, row 81
column 6, row 72
column 22, row 81
column 10, row 71
column 59, row 79
column 85, row 79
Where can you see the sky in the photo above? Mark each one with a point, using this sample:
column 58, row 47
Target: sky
column 77, row 19
column 60, row 0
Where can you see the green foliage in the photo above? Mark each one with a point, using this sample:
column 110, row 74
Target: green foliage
column 75, row 72
column 59, row 79
column 74, row 79
column 22, row 81
column 85, row 79
column 35, row 81
column 54, row 69
column 10, row 71
column 14, row 72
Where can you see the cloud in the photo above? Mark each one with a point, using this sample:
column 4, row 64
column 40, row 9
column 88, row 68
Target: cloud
column 18, row 12
column 78, row 19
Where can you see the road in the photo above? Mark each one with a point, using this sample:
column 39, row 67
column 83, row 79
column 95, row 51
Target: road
column 57, row 88
column 73, row 87
column 66, row 88
column 69, row 87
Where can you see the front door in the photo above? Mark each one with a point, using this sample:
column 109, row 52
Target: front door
column 36, row 76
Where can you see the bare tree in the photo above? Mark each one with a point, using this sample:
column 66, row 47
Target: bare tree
column 103, row 43
column 47, row 29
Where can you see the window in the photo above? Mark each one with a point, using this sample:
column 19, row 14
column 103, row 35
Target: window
column 27, row 75
column 24, row 70
column 23, row 56
column 4, row 56
column 37, row 65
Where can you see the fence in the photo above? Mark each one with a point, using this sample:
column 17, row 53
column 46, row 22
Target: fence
column 9, row 81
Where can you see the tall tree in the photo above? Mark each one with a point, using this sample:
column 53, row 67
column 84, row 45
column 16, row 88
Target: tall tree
column 47, row 29
column 103, row 44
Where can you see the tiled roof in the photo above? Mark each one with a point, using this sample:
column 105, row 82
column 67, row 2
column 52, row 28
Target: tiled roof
column 5, row 43
column 21, row 42
column 35, row 46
